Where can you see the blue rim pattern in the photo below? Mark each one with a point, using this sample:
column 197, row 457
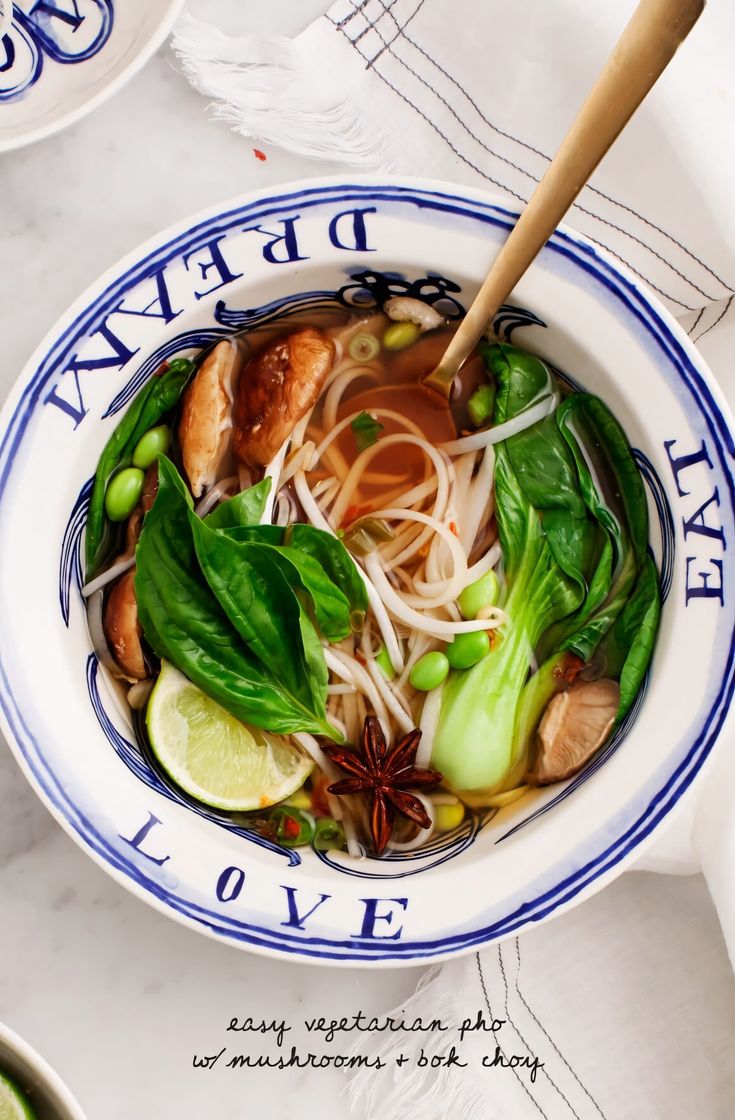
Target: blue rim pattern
column 583, row 256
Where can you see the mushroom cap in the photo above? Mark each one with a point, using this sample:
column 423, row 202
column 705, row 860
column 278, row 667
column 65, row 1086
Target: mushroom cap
column 575, row 724
column 277, row 387
column 206, row 415
column 122, row 628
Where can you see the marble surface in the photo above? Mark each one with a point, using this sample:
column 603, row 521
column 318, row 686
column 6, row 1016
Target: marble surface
column 116, row 996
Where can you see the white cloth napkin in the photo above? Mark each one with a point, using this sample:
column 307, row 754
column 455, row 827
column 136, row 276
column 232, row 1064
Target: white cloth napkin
column 482, row 93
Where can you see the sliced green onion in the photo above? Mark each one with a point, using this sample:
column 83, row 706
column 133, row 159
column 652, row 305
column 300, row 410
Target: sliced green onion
column 480, row 405
column 363, row 347
column 293, row 827
column 366, row 430
column 365, row 534
column 329, row 835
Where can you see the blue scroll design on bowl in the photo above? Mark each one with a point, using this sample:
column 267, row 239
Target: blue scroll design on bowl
column 67, row 33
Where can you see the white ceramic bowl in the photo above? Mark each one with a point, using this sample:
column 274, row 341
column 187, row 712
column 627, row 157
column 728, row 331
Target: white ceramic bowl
column 56, row 68
column 287, row 250
column 49, row 1095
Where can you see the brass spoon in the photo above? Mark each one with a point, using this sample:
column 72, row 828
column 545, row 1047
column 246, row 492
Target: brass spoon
column 640, row 56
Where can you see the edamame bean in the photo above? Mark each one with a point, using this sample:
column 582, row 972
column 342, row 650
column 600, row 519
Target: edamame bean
column 400, row 335
column 429, row 671
column 467, row 649
column 123, row 493
column 154, row 442
column 484, row 592
column 447, row 817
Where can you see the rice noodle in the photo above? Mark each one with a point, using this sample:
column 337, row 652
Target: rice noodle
column 273, row 472
column 124, row 564
column 214, row 494
column 386, row 413
column 451, row 587
column 351, row 482
column 349, row 669
column 413, row 618
column 300, row 457
column 484, row 564
column 476, row 502
column 519, row 423
column 338, row 386
column 428, row 724
column 391, row 697
column 285, row 509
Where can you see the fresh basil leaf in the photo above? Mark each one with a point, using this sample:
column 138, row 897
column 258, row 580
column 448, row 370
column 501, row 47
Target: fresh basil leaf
column 366, row 430
column 157, row 397
column 327, row 603
column 259, row 602
column 245, row 508
column 335, row 560
column 184, row 622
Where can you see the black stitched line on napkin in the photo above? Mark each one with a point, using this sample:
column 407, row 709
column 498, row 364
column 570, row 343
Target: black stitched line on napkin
column 593, row 190
column 517, row 1029
column 541, row 1027
column 693, row 327
column 542, row 155
column 496, row 182
column 388, row 46
column 518, row 1077
column 721, row 316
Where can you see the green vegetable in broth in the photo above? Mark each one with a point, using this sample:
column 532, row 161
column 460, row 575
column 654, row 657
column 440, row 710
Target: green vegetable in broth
column 481, row 403
column 366, row 430
column 246, row 508
column 573, row 528
column 157, row 397
column 183, row 620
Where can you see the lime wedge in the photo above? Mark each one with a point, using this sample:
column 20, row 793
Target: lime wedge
column 214, row 757
column 14, row 1104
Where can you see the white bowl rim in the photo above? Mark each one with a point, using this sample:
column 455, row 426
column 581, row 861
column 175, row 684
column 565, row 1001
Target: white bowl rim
column 624, row 850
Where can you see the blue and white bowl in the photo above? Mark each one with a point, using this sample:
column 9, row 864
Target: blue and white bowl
column 270, row 254
column 59, row 60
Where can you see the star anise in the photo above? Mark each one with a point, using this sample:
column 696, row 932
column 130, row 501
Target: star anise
column 385, row 777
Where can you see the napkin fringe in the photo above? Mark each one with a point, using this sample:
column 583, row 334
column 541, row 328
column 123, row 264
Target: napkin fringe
column 276, row 89
column 419, row 1093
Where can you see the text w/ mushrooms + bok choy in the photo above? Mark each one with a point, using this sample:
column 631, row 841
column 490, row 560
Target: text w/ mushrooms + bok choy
column 354, row 616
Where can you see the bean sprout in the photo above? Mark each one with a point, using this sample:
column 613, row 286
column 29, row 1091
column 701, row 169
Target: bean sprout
column 519, row 423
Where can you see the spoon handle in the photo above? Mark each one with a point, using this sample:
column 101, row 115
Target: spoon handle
column 640, row 56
